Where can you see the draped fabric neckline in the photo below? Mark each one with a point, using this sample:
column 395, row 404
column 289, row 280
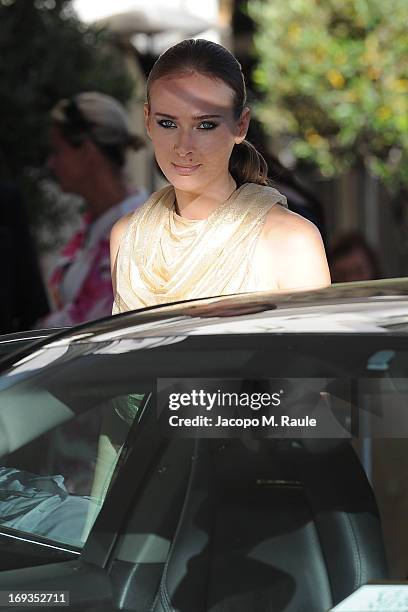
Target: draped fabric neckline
column 217, row 211
column 164, row 257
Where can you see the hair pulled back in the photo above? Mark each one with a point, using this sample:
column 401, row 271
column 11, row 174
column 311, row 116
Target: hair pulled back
column 213, row 60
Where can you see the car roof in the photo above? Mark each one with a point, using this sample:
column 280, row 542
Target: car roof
column 360, row 307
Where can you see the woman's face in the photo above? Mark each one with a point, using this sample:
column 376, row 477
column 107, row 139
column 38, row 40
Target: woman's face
column 191, row 124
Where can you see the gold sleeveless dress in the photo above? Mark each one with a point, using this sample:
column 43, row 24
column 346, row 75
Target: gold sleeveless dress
column 165, row 258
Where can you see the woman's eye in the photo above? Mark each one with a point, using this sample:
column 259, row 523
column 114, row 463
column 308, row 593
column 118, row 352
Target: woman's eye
column 207, row 125
column 166, row 123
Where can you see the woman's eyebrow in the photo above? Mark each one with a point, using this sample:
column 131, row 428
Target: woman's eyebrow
column 195, row 117
column 202, row 117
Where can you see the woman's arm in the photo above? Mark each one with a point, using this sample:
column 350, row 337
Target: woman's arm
column 296, row 249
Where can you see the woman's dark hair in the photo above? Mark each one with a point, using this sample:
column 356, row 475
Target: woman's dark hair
column 210, row 59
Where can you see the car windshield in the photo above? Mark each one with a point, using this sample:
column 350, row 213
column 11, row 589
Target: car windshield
column 68, row 412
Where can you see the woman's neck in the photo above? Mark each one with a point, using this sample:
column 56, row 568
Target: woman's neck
column 199, row 206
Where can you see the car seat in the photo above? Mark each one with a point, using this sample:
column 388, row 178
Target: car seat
column 268, row 525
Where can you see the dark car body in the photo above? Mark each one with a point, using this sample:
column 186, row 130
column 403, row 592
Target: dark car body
column 186, row 517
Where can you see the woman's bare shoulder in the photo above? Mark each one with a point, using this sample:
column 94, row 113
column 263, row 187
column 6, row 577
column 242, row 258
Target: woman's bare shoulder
column 116, row 235
column 283, row 227
column 295, row 246
column 120, row 225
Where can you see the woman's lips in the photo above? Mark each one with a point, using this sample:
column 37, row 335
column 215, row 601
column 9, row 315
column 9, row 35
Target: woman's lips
column 185, row 170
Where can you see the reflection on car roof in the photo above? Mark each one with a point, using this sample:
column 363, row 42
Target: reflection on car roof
column 369, row 307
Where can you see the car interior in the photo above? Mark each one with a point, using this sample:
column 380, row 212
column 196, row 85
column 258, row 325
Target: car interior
column 260, row 523
column 245, row 523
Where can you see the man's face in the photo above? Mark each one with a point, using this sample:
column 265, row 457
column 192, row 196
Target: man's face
column 355, row 266
column 66, row 162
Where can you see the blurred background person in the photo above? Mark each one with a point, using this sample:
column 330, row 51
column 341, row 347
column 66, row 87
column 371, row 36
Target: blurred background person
column 23, row 298
column 351, row 258
column 90, row 136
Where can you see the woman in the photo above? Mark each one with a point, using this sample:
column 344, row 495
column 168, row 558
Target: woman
column 90, row 136
column 218, row 228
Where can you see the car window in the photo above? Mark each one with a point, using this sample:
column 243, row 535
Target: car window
column 266, row 494
column 61, row 441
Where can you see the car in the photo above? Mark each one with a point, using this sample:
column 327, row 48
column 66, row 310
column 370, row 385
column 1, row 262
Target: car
column 242, row 452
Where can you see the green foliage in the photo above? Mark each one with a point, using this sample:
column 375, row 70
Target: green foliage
column 334, row 74
column 46, row 54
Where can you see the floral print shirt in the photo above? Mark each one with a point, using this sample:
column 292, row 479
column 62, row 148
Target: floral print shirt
column 80, row 285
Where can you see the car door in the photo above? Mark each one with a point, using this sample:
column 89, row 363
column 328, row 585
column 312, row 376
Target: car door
column 86, row 580
column 49, row 500
column 121, row 562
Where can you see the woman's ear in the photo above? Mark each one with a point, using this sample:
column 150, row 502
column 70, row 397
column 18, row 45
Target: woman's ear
column 146, row 111
column 243, row 125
